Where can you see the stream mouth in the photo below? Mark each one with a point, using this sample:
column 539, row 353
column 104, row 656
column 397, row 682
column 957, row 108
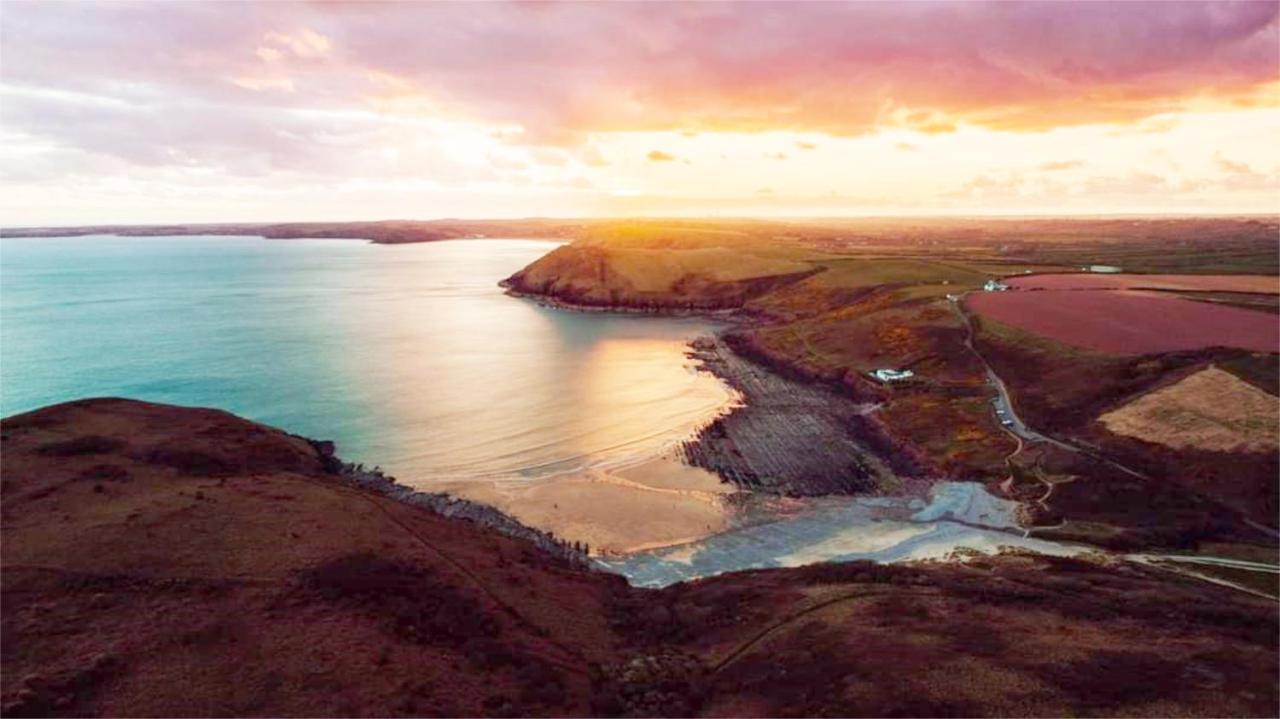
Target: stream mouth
column 957, row 517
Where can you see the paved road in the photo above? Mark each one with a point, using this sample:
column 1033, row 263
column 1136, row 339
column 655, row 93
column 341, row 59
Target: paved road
column 1169, row 562
column 1228, row 562
column 1019, row 428
column 1004, row 404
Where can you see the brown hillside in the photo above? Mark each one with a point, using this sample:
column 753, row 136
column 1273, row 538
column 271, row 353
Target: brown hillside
column 169, row 561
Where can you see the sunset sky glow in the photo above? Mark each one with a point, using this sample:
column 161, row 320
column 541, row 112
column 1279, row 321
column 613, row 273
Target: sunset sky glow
column 208, row 112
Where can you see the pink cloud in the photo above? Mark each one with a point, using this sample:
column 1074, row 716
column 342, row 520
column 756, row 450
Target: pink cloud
column 143, row 80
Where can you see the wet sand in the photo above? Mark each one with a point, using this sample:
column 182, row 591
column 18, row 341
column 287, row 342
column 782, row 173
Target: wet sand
column 958, row 519
column 780, row 437
column 655, row 503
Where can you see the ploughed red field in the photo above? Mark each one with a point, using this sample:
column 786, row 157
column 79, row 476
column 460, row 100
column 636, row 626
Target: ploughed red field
column 1129, row 323
column 1259, row 284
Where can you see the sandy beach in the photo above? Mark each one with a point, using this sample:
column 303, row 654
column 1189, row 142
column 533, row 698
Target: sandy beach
column 659, row 502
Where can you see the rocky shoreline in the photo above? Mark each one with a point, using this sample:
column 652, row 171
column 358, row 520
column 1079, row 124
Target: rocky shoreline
column 795, row 434
column 718, row 314
column 792, row 437
column 904, row 458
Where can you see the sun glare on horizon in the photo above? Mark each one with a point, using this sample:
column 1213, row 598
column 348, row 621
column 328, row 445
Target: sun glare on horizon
column 282, row 111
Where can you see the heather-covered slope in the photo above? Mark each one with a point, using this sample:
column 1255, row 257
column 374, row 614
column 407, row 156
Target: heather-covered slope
column 159, row 560
column 169, row 561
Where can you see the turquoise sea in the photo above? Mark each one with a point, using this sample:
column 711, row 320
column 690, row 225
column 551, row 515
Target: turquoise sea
column 412, row 358
column 409, row 356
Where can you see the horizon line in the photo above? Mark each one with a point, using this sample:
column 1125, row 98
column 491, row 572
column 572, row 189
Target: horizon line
column 1272, row 214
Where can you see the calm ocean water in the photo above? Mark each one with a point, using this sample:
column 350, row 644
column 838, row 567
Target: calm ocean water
column 412, row 358
column 408, row 356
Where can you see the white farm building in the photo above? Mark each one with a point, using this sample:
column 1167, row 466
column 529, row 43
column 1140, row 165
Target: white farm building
column 892, row 375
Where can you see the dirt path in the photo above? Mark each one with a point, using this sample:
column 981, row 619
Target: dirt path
column 1214, row 561
column 1166, row 561
column 755, row 640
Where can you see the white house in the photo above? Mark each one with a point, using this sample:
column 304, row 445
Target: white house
column 892, row 375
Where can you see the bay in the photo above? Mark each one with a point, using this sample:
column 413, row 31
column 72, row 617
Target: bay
column 409, row 356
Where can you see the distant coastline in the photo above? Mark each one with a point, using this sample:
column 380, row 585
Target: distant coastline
column 382, row 232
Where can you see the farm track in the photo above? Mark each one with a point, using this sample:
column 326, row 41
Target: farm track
column 1167, row 561
column 736, row 653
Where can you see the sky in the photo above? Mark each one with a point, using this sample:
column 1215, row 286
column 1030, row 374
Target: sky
column 118, row 112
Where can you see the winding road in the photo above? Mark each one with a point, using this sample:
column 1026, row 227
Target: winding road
column 1019, row 429
column 1004, row 402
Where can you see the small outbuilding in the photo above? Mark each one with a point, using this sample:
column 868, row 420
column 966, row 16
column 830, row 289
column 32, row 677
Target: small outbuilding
column 892, row 375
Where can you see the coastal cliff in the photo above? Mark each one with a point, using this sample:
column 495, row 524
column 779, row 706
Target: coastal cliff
column 651, row 279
